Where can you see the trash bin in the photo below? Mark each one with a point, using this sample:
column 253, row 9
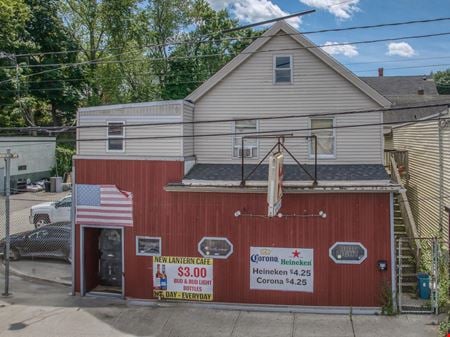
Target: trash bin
column 47, row 186
column 56, row 184
column 423, row 286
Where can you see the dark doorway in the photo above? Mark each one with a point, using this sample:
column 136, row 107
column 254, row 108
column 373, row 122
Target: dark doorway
column 103, row 260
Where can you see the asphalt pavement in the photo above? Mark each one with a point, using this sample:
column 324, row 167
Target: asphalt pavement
column 43, row 309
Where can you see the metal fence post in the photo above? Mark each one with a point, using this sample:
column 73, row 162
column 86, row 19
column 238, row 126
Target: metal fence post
column 7, row 158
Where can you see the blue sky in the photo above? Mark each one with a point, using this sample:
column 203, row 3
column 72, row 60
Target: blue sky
column 364, row 59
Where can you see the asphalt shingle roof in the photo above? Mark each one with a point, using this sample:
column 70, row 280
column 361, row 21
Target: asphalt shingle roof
column 232, row 172
column 401, row 85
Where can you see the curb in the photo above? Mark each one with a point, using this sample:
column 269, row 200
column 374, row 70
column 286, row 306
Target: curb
column 18, row 273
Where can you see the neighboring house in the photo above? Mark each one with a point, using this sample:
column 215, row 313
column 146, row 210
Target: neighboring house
column 36, row 157
column 427, row 144
column 188, row 200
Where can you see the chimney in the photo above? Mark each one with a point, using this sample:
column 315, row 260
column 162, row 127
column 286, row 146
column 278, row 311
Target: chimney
column 380, row 72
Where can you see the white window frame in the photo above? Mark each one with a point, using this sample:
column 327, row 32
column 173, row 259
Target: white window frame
column 233, row 146
column 115, row 137
column 311, row 154
column 215, row 256
column 274, row 66
column 347, row 261
column 148, row 237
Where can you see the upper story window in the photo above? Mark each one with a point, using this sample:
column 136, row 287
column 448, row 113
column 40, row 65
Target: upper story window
column 245, row 128
column 282, row 69
column 323, row 129
column 116, row 136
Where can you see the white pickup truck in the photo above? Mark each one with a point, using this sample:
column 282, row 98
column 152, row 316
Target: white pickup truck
column 51, row 212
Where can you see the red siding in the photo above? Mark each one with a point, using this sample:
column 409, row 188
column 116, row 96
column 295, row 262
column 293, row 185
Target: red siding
column 182, row 219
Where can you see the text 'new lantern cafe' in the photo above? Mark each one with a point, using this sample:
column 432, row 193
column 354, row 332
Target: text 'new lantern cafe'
column 257, row 188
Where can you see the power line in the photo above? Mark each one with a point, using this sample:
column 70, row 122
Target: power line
column 281, row 131
column 112, row 85
column 319, row 114
column 199, row 39
column 243, row 53
column 140, row 60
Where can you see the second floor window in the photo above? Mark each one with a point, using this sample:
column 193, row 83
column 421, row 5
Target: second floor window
column 116, row 136
column 323, row 129
column 282, row 69
column 244, row 128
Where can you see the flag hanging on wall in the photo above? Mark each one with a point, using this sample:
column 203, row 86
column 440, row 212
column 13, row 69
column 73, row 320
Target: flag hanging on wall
column 103, row 205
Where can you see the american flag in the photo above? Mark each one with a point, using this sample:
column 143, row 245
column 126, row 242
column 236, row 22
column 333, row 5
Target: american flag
column 103, row 205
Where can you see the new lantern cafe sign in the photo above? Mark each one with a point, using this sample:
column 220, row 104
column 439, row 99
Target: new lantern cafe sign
column 183, row 278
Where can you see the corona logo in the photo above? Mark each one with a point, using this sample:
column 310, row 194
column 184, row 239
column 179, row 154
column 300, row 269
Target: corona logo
column 265, row 251
column 259, row 258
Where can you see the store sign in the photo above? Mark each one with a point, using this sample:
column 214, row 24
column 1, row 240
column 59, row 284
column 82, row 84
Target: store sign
column 183, row 278
column 285, row 269
column 348, row 252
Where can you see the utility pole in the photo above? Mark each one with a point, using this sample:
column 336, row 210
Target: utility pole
column 7, row 157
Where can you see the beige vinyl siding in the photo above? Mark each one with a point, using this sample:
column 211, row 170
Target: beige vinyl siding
column 388, row 142
column 133, row 114
column 249, row 92
column 446, row 179
column 422, row 142
column 188, row 129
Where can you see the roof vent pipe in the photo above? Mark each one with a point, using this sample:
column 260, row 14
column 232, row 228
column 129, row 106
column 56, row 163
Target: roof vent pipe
column 380, row 72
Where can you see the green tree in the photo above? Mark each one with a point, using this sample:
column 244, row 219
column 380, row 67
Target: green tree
column 207, row 50
column 442, row 80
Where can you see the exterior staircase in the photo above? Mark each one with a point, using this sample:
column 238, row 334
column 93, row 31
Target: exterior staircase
column 408, row 266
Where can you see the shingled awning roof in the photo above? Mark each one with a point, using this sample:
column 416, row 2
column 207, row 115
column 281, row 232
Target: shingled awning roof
column 232, row 172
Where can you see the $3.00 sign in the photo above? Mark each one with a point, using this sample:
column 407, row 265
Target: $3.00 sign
column 188, row 278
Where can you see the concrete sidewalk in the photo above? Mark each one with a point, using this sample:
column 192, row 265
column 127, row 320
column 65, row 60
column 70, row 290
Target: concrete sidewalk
column 42, row 309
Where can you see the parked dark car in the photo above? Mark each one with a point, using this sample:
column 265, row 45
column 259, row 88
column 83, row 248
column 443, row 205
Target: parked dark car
column 49, row 241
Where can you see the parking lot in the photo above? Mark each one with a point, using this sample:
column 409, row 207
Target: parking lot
column 40, row 268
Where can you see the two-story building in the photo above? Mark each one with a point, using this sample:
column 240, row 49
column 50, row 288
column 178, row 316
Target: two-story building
column 331, row 244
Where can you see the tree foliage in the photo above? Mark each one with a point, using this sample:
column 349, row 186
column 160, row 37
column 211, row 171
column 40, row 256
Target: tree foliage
column 91, row 52
column 442, row 80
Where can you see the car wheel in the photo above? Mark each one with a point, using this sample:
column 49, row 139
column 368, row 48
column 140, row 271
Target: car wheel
column 41, row 220
column 14, row 254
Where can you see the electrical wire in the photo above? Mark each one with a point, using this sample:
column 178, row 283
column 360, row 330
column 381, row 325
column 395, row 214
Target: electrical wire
column 199, row 39
column 250, row 133
column 63, row 66
column 112, row 86
column 226, row 120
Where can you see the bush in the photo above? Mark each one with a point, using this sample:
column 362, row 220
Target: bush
column 63, row 161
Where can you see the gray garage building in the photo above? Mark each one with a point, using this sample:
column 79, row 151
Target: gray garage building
column 36, row 157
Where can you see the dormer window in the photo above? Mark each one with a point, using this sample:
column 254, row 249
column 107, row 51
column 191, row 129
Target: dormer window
column 282, row 69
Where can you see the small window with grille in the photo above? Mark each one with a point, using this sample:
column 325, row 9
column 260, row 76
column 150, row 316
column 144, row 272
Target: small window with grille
column 116, row 137
column 217, row 248
column 245, row 128
column 323, row 129
column 282, row 69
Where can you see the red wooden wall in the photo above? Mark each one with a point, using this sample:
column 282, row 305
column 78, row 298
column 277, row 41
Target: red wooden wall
column 182, row 219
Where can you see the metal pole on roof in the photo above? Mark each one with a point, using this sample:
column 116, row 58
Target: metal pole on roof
column 268, row 21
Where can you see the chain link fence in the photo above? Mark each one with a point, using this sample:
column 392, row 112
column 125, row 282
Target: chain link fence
column 40, row 235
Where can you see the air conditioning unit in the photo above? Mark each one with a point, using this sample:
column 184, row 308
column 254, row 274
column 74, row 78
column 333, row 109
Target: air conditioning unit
column 247, row 152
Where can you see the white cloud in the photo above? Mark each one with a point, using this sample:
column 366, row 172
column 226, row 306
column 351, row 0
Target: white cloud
column 339, row 8
column 401, row 49
column 335, row 48
column 251, row 11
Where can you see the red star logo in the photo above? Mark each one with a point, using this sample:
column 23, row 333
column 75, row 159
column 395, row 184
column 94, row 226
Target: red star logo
column 296, row 253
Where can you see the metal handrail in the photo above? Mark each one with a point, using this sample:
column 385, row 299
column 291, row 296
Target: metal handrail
column 405, row 209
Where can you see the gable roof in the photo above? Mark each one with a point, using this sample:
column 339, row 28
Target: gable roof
column 304, row 42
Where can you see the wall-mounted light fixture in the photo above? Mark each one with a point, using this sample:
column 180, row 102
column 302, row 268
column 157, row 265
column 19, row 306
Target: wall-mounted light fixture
column 382, row 265
column 280, row 215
